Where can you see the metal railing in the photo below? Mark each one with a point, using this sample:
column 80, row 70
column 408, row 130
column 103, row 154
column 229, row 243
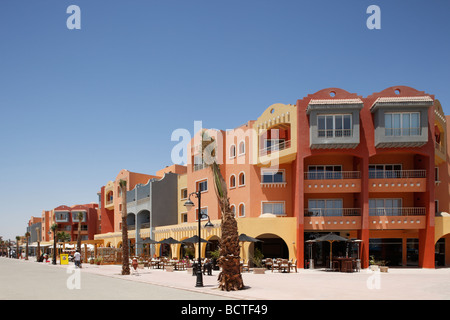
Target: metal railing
column 334, row 133
column 398, row 132
column 334, row 212
column 332, row 175
column 397, row 174
column 276, row 147
column 401, row 211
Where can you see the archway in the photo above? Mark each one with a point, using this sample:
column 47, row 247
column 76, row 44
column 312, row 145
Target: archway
column 271, row 246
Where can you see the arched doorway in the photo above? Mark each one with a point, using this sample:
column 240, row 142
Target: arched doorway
column 165, row 250
column 213, row 245
column 271, row 246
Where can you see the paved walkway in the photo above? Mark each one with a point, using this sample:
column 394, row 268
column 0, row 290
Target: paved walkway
column 398, row 283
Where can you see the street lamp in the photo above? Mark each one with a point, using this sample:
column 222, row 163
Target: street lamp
column 189, row 205
column 54, row 245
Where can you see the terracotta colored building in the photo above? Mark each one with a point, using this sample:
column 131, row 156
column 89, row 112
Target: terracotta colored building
column 370, row 168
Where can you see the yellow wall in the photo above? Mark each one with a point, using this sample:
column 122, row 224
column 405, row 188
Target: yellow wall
column 182, row 184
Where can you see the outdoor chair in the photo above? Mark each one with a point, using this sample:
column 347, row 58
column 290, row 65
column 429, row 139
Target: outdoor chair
column 276, row 264
column 293, row 265
column 245, row 266
column 269, row 263
column 335, row 266
column 284, row 266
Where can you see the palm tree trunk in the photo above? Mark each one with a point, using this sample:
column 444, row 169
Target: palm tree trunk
column 230, row 277
column 125, row 249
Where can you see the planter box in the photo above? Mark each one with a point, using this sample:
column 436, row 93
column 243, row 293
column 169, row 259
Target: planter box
column 384, row 269
column 141, row 266
column 259, row 270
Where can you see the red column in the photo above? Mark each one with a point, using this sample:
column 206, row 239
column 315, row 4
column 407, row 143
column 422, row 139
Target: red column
column 363, row 233
column 426, row 236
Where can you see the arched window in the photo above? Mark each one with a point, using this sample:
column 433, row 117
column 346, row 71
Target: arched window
column 233, row 209
column 241, row 179
column 241, row 210
column 232, row 181
column 232, row 151
column 241, row 147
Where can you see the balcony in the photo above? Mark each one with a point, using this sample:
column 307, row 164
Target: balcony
column 397, row 218
column 397, row 181
column 332, row 219
column 281, row 151
column 337, row 181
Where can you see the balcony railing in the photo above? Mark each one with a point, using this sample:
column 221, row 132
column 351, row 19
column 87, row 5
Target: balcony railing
column 200, row 166
column 332, row 175
column 335, row 212
column 334, row 133
column 413, row 211
column 275, row 147
column 397, row 174
column 398, row 132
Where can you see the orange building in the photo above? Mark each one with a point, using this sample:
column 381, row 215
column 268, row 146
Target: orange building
column 374, row 168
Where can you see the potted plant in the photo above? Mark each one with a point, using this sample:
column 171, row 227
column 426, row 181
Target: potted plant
column 98, row 261
column 214, row 256
column 257, row 261
column 91, row 260
column 141, row 263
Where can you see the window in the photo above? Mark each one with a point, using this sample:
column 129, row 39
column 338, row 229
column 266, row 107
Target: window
column 273, row 208
column 204, row 212
column 232, row 181
column 325, row 207
column 402, row 124
column 184, row 194
column 241, row 148
column 272, row 176
column 385, row 171
column 274, row 144
column 324, row 172
column 202, row 186
column 241, row 179
column 184, row 218
column 436, row 175
column 75, row 216
column 385, row 207
column 232, row 151
column 242, row 210
column 61, row 216
column 233, row 209
column 334, row 125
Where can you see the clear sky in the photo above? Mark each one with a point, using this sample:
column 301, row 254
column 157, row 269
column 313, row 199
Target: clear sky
column 77, row 106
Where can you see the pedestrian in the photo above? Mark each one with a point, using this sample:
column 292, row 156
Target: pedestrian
column 77, row 259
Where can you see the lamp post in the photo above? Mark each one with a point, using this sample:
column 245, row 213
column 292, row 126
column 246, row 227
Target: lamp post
column 54, row 227
column 189, row 205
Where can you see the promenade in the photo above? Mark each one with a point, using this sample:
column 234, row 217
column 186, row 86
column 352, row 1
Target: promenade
column 398, row 283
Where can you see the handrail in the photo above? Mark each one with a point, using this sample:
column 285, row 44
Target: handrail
column 276, row 147
column 397, row 174
column 334, row 212
column 323, row 175
column 400, row 211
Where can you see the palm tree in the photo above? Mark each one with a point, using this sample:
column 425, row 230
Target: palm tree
column 125, row 250
column 27, row 235
column 55, row 238
column 230, row 277
column 17, row 246
column 79, row 217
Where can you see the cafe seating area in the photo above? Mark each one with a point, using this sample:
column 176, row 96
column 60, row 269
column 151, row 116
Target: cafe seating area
column 345, row 264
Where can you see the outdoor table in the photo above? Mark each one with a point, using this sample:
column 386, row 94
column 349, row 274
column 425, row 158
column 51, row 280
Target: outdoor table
column 344, row 264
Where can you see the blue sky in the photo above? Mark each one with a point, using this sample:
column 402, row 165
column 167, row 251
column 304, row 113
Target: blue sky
column 77, row 106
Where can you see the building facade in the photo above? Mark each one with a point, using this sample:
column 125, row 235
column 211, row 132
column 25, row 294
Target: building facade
column 368, row 168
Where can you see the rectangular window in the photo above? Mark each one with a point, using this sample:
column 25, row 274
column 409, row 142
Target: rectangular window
column 385, row 171
column 202, row 186
column 385, row 207
column 276, row 208
column 402, row 124
column 325, row 207
column 324, row 172
column 204, row 213
column 334, row 125
column 272, row 176
column 184, row 194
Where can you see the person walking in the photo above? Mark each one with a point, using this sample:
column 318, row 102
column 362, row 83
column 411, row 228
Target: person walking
column 77, row 259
